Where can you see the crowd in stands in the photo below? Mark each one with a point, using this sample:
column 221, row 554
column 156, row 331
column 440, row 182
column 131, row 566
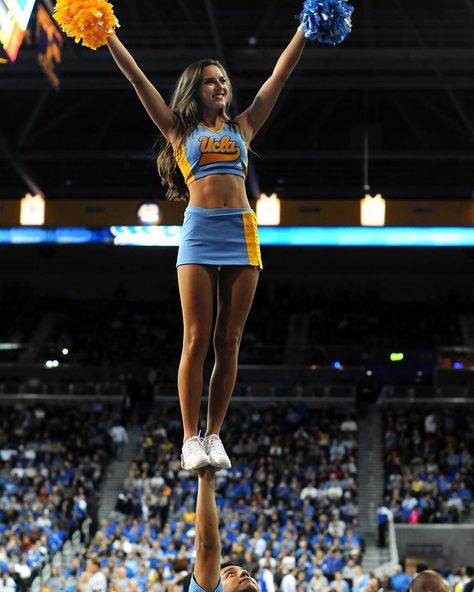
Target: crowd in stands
column 348, row 317
column 119, row 331
column 52, row 459
column 297, row 518
column 18, row 318
column 294, row 525
column 128, row 572
column 108, row 330
column 429, row 464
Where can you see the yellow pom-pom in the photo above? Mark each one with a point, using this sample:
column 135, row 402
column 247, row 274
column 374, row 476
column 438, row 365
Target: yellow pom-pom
column 91, row 22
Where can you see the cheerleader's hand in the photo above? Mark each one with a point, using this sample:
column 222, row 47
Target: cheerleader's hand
column 327, row 21
column 90, row 22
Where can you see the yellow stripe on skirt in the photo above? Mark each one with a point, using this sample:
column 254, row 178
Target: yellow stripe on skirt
column 251, row 239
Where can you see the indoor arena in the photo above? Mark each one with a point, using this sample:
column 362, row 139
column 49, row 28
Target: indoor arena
column 236, row 296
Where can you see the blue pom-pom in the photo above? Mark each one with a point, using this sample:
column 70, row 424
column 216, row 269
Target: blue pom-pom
column 327, row 21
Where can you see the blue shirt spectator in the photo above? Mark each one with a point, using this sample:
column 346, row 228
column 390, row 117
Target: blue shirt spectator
column 332, row 563
column 400, row 581
column 339, row 584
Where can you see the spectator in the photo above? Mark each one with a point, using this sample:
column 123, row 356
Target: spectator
column 339, row 584
column 383, row 514
column 374, row 584
column 268, row 561
column 466, row 579
column 469, row 586
column 400, row 580
column 96, row 580
column 429, row 581
column 430, row 423
column 7, row 583
column 119, row 437
column 56, row 582
column 332, row 563
column 337, row 526
column 120, row 582
column 360, row 582
column 288, row 582
column 319, row 582
column 349, row 425
column 349, row 572
column 266, row 580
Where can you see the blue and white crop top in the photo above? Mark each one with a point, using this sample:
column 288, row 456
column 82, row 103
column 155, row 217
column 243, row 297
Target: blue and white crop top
column 207, row 152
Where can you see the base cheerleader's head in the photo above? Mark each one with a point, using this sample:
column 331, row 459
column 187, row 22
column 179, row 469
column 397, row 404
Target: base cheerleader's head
column 237, row 579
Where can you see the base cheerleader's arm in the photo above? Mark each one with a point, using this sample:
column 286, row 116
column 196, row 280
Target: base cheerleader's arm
column 327, row 21
column 93, row 23
column 207, row 539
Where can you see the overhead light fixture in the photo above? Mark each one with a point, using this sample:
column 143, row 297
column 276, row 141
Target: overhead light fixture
column 149, row 214
column 32, row 210
column 268, row 210
column 372, row 208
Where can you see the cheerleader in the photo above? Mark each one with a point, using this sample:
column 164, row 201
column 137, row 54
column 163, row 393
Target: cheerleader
column 204, row 160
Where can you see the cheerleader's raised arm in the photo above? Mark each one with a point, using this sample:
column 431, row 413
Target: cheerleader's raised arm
column 151, row 99
column 254, row 117
column 93, row 25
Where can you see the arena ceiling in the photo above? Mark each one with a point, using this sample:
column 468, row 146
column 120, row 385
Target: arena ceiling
column 405, row 77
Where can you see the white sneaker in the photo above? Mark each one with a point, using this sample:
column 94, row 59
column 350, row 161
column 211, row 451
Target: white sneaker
column 216, row 452
column 193, row 454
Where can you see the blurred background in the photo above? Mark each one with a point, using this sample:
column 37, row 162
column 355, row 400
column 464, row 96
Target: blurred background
column 351, row 423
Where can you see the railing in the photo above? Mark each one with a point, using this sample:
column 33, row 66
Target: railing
column 285, row 382
column 389, row 567
column 13, row 399
column 273, row 392
column 62, row 559
column 396, row 394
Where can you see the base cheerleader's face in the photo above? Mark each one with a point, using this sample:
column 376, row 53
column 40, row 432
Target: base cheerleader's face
column 237, row 579
column 214, row 89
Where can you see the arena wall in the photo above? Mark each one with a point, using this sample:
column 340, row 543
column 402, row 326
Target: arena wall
column 439, row 545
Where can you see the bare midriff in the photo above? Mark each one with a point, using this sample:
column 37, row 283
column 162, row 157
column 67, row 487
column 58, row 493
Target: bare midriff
column 219, row 191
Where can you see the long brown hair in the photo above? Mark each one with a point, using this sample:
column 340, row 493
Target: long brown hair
column 186, row 106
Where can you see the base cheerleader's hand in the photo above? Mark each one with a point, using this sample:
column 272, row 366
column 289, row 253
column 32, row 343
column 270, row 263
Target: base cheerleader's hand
column 91, row 22
column 327, row 21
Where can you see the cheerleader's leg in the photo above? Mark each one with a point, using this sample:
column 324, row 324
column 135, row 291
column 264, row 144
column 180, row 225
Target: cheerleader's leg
column 197, row 288
column 236, row 290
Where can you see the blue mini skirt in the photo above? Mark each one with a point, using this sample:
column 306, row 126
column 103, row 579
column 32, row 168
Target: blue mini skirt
column 219, row 236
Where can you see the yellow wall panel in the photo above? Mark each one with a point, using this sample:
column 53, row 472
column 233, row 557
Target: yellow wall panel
column 103, row 213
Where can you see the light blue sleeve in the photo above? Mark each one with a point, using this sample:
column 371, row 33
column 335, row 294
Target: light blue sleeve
column 195, row 587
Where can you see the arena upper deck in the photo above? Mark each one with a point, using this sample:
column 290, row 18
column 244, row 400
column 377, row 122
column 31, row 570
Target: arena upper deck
column 413, row 62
